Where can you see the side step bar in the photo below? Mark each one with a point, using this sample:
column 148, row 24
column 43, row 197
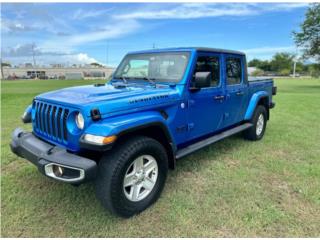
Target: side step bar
column 196, row 146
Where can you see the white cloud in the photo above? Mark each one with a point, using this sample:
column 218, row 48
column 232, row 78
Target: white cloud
column 285, row 6
column 266, row 50
column 61, row 36
column 80, row 14
column 63, row 48
column 14, row 26
column 109, row 31
column 266, row 53
column 189, row 11
column 24, row 53
column 23, row 50
column 35, row 24
column 82, row 58
column 203, row 10
column 47, row 59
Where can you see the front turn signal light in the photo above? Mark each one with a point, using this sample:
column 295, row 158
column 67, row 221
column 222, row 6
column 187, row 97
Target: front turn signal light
column 110, row 139
column 100, row 140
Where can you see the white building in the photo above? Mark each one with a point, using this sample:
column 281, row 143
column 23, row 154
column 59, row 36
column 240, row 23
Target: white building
column 57, row 72
column 251, row 70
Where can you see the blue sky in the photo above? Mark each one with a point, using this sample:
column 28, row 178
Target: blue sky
column 103, row 32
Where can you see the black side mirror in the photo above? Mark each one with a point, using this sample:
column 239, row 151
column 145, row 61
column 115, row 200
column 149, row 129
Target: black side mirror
column 201, row 80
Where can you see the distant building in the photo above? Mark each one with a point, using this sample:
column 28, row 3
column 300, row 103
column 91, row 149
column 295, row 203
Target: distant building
column 28, row 65
column 57, row 72
column 75, row 75
column 57, row 65
column 251, row 70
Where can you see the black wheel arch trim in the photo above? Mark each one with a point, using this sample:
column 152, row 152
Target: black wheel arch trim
column 102, row 148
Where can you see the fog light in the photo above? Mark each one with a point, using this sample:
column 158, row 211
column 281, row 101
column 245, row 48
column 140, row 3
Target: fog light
column 57, row 170
column 64, row 173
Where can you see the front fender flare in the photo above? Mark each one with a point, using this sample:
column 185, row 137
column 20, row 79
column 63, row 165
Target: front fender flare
column 253, row 103
column 123, row 124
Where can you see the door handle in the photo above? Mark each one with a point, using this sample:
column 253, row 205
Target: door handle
column 219, row 97
column 240, row 93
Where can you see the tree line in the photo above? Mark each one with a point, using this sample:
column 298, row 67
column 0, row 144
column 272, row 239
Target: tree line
column 308, row 40
column 282, row 64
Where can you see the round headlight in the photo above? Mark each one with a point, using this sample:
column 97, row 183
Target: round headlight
column 79, row 121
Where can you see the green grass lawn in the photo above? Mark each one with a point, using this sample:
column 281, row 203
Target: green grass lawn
column 234, row 188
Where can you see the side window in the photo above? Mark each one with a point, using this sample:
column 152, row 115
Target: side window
column 209, row 64
column 234, row 71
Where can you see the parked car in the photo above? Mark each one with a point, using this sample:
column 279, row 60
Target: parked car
column 159, row 106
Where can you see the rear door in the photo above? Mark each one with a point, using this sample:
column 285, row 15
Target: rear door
column 236, row 89
column 205, row 107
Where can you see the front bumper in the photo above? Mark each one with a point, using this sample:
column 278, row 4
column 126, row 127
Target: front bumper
column 74, row 169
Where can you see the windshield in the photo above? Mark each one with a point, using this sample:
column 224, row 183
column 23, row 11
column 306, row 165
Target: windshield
column 161, row 67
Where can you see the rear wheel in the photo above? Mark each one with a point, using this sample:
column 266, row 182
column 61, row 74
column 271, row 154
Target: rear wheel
column 259, row 121
column 132, row 176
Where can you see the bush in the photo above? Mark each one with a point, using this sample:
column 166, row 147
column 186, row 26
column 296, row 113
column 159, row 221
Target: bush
column 314, row 70
column 257, row 73
column 284, row 72
column 315, row 74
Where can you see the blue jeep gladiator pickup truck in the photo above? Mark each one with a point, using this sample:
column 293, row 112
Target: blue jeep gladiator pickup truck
column 159, row 106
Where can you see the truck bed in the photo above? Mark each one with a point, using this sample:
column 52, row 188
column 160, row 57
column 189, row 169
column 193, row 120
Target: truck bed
column 261, row 84
column 256, row 79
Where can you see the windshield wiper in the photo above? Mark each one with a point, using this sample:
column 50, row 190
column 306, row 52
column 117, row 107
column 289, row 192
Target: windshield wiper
column 123, row 79
column 150, row 80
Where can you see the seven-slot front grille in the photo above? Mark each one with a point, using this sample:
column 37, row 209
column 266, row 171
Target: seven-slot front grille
column 51, row 121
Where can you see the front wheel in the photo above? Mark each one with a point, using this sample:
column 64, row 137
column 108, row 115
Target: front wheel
column 132, row 176
column 259, row 121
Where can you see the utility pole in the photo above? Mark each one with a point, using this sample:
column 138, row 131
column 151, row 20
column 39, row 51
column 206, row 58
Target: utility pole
column 295, row 60
column 294, row 67
column 34, row 61
column 2, row 76
column 153, row 45
column 33, row 55
column 107, row 54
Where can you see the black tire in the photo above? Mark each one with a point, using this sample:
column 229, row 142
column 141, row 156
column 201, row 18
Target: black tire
column 251, row 133
column 113, row 167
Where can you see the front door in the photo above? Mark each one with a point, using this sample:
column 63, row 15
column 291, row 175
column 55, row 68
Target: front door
column 205, row 106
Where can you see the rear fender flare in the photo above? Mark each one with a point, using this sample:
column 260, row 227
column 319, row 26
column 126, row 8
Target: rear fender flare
column 253, row 103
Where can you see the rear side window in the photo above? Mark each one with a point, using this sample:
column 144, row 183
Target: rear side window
column 234, row 71
column 209, row 64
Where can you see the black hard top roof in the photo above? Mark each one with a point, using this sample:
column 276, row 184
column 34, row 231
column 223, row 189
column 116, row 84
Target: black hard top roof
column 201, row 49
